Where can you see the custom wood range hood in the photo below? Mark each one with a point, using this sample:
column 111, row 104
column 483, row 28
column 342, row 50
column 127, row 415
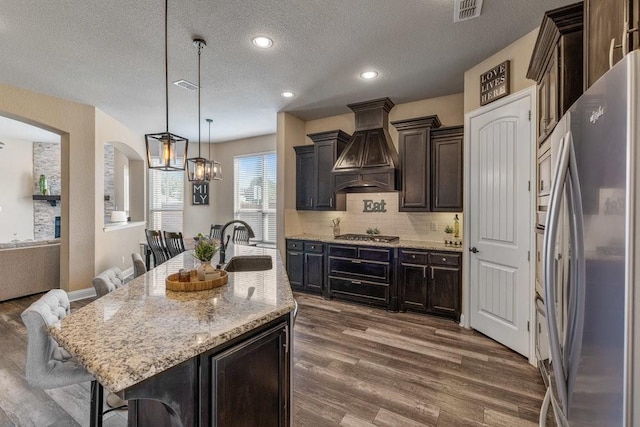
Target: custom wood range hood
column 369, row 162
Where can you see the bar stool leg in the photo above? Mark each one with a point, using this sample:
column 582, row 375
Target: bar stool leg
column 97, row 397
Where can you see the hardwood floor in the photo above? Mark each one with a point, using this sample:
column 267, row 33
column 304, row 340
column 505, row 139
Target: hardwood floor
column 354, row 366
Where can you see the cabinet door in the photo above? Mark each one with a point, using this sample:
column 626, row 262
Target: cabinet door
column 304, row 177
column 295, row 269
column 447, row 174
column 325, row 158
column 444, row 291
column 414, row 172
column 250, row 382
column 552, row 107
column 413, row 287
column 604, row 22
column 314, row 272
column 543, row 108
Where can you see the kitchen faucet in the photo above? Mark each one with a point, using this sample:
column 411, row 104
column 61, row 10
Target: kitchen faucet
column 223, row 245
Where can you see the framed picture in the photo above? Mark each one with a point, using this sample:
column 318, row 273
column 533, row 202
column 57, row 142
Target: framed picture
column 200, row 193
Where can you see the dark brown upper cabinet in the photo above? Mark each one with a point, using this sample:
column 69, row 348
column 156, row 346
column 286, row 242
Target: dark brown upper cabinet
column 611, row 28
column 414, row 140
column 430, row 165
column 304, row 177
column 446, row 169
column 314, row 189
column 556, row 65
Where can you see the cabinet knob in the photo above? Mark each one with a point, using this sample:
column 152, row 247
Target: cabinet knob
column 413, row 256
column 313, row 247
column 444, row 260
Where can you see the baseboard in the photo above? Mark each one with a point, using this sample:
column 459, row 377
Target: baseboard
column 128, row 272
column 82, row 294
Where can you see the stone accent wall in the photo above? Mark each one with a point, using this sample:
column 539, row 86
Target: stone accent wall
column 46, row 161
column 109, row 181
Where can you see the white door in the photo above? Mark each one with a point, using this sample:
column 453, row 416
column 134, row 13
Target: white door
column 499, row 220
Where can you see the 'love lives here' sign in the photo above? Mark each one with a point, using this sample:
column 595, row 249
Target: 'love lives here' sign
column 494, row 84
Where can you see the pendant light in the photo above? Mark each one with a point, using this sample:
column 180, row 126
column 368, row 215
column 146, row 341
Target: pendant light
column 166, row 151
column 196, row 166
column 214, row 170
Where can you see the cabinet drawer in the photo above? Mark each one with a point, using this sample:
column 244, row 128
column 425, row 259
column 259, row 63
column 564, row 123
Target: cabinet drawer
column 374, row 254
column 356, row 290
column 314, row 247
column 297, row 245
column 343, row 251
column 444, row 258
column 360, row 270
column 413, row 257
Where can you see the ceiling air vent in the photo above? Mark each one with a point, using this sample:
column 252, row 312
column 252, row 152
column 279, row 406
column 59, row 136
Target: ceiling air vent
column 186, row 85
column 466, row 9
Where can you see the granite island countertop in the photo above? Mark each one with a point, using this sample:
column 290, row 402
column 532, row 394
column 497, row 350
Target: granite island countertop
column 413, row 244
column 142, row 329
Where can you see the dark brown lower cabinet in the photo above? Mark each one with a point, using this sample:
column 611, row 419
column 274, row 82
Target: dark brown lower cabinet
column 245, row 382
column 429, row 282
column 248, row 386
column 305, row 265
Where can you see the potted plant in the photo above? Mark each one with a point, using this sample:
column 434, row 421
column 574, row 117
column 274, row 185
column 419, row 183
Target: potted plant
column 204, row 251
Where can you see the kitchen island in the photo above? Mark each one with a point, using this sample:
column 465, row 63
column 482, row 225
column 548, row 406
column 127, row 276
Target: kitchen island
column 214, row 357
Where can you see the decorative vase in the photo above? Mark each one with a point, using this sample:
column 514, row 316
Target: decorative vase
column 205, row 269
column 42, row 184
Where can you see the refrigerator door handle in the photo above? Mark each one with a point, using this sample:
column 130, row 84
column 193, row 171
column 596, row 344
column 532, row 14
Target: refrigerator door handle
column 550, row 272
column 578, row 272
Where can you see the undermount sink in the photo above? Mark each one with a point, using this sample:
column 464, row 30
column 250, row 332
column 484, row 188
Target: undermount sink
column 249, row 263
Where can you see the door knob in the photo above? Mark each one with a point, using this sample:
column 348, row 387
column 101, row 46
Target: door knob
column 474, row 250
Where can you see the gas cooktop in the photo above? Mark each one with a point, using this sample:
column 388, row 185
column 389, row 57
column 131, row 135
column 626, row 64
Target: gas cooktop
column 368, row 238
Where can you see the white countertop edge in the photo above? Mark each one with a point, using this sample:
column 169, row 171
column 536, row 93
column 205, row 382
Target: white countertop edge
column 113, row 227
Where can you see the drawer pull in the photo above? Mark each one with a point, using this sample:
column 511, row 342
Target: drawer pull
column 444, row 260
column 413, row 256
column 313, row 247
column 355, row 282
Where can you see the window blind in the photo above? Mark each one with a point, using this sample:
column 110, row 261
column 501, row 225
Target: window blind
column 255, row 193
column 166, row 200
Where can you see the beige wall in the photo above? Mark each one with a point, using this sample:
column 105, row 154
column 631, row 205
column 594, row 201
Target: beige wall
column 114, row 248
column 16, row 176
column 198, row 219
column 518, row 52
column 81, row 165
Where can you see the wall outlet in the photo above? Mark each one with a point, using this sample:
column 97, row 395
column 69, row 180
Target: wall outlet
column 123, row 259
column 434, row 225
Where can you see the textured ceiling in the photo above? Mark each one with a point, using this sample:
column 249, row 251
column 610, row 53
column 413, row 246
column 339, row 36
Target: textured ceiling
column 110, row 54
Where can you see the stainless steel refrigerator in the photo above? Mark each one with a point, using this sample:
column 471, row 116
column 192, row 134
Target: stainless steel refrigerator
column 594, row 335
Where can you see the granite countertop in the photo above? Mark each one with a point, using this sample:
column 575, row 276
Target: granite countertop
column 413, row 244
column 142, row 329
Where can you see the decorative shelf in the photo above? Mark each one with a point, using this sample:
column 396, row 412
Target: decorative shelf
column 52, row 199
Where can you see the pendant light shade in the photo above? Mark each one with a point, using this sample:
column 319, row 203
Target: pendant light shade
column 166, row 151
column 197, row 166
column 213, row 170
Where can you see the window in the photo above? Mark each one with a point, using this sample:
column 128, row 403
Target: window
column 166, row 200
column 255, row 193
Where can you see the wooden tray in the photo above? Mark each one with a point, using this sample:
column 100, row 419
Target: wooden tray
column 173, row 284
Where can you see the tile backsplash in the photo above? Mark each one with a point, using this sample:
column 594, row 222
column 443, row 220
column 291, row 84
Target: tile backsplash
column 427, row 226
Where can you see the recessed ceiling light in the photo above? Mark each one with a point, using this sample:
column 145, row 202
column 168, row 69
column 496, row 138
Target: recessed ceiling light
column 368, row 75
column 287, row 94
column 262, row 42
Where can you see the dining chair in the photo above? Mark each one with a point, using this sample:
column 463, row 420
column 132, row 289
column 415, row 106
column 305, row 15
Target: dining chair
column 48, row 365
column 108, row 281
column 240, row 235
column 174, row 243
column 158, row 250
column 139, row 267
column 216, row 232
